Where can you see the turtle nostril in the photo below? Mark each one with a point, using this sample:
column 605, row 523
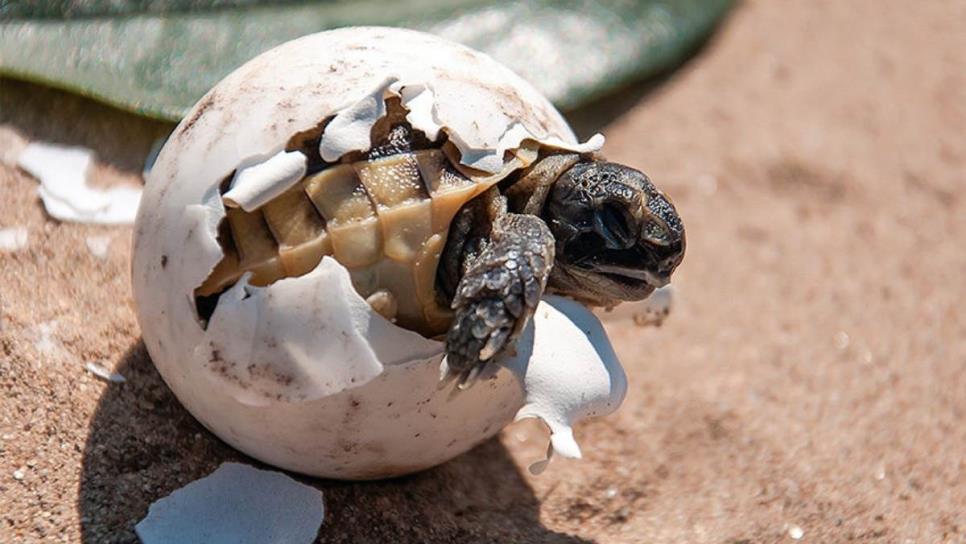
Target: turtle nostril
column 656, row 233
column 667, row 265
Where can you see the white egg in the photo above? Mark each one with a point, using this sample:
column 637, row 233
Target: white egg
column 302, row 373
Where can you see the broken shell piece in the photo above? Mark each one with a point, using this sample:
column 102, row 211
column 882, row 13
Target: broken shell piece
column 62, row 172
column 255, row 185
column 566, row 381
column 236, row 504
column 262, row 344
column 256, row 315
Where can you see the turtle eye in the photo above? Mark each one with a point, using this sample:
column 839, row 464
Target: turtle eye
column 612, row 223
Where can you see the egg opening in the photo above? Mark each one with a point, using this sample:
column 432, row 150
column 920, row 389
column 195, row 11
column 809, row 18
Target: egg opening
column 381, row 206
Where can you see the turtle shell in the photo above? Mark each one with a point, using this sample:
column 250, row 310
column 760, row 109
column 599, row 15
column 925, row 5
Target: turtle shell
column 380, row 209
column 385, row 218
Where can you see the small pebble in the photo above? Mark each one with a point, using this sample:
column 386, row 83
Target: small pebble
column 13, row 239
column 654, row 310
column 18, row 475
column 623, row 514
column 98, row 246
column 796, row 532
column 611, row 492
column 841, row 340
column 104, row 373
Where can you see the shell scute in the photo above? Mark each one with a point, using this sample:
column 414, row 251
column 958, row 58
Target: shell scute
column 339, row 195
column 292, row 219
column 299, row 230
column 257, row 250
column 352, row 224
column 448, row 188
column 437, row 316
column 392, row 181
column 406, row 228
column 357, row 244
column 385, row 219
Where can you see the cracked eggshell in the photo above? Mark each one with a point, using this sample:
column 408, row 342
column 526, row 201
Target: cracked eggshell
column 301, row 373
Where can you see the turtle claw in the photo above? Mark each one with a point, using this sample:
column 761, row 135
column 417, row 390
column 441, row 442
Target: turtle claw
column 464, row 379
column 448, row 374
column 469, row 378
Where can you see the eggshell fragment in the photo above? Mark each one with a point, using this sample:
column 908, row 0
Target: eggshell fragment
column 569, row 371
column 261, row 182
column 350, row 128
column 301, row 373
column 249, row 345
column 236, row 504
column 62, row 172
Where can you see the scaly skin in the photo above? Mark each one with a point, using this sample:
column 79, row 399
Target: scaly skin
column 494, row 269
column 596, row 231
column 499, row 291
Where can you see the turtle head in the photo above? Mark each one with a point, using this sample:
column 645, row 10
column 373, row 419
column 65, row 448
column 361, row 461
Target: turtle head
column 617, row 236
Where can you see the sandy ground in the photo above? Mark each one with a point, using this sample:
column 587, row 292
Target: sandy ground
column 811, row 381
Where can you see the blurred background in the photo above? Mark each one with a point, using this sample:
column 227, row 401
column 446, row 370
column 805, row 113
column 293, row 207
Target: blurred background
column 809, row 383
column 158, row 57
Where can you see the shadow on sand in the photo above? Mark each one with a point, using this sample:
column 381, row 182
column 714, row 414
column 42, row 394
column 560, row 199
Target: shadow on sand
column 143, row 445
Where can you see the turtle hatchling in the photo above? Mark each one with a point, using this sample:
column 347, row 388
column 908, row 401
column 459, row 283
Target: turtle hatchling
column 343, row 210
column 441, row 247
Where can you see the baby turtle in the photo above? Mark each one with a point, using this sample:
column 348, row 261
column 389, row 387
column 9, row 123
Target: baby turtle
column 441, row 248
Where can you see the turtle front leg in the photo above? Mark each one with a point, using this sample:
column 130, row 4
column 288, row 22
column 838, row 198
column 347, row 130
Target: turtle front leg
column 503, row 280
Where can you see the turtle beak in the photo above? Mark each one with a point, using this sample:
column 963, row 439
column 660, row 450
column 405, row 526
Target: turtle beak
column 657, row 280
column 654, row 279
